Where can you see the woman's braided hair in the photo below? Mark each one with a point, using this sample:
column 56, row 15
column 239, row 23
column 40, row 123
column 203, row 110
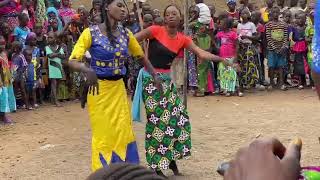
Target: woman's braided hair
column 124, row 171
column 106, row 20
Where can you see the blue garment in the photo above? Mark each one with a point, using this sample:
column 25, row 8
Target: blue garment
column 7, row 99
column 107, row 60
column 137, row 99
column 276, row 60
column 30, row 77
column 316, row 39
column 54, row 10
column 134, row 28
column 21, row 34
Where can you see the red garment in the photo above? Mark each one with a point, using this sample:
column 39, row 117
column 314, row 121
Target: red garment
column 234, row 15
column 163, row 49
column 11, row 7
column 261, row 28
column 228, row 43
column 173, row 44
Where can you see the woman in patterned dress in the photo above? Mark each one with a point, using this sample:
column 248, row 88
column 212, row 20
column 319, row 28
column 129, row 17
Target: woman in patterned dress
column 109, row 44
column 168, row 129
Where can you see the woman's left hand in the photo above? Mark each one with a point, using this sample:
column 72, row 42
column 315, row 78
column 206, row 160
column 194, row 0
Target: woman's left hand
column 158, row 82
column 92, row 81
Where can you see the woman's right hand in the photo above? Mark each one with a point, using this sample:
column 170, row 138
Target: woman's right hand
column 92, row 81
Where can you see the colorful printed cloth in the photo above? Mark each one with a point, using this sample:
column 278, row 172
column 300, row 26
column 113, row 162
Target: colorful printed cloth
column 41, row 12
column 227, row 77
column 309, row 32
column 249, row 75
column 310, row 173
column 66, row 13
column 168, row 129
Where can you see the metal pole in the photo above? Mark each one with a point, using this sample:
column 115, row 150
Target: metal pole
column 185, row 60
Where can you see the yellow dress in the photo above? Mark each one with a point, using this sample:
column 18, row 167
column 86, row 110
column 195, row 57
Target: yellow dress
column 113, row 139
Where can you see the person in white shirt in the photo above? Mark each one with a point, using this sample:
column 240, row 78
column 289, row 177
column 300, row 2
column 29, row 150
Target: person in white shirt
column 205, row 13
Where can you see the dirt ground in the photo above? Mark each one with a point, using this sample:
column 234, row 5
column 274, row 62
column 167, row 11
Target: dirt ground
column 54, row 143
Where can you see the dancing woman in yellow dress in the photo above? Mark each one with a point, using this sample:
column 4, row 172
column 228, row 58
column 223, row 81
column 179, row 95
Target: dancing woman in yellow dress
column 109, row 44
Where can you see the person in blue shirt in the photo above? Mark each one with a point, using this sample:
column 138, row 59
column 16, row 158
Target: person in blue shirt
column 21, row 32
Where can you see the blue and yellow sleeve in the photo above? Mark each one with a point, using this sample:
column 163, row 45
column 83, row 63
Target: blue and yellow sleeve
column 82, row 45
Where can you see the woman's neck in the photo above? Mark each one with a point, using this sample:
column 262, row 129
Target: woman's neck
column 172, row 31
column 113, row 23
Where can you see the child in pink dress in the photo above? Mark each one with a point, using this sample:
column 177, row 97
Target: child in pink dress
column 228, row 40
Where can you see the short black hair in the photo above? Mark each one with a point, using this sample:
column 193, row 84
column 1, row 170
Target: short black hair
column 17, row 45
column 21, row 16
column 122, row 171
column 171, row 5
column 229, row 22
column 275, row 8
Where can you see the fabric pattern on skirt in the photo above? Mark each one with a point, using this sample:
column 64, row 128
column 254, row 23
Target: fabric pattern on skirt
column 192, row 69
column 248, row 63
column 227, row 77
column 7, row 99
column 168, row 129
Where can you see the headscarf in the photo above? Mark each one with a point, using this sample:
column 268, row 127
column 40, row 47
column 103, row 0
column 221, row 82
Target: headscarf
column 231, row 1
column 31, row 35
column 54, row 10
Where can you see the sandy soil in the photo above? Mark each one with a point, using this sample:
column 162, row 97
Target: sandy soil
column 54, row 143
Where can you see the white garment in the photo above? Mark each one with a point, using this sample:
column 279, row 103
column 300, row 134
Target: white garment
column 247, row 29
column 205, row 14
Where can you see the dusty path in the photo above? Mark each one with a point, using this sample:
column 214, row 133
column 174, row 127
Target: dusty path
column 54, row 143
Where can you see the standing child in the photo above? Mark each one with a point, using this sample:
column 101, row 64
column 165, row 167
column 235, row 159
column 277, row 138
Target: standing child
column 66, row 11
column 20, row 32
column 30, row 78
column 228, row 49
column 299, row 49
column 41, row 44
column 288, row 69
column 249, row 76
column 63, row 90
column 232, row 11
column 7, row 99
column 39, row 85
column 260, row 44
column 277, row 46
column 204, row 41
column 55, row 55
column 19, row 66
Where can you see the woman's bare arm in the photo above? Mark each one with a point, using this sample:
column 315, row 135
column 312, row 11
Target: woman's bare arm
column 202, row 54
column 144, row 34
